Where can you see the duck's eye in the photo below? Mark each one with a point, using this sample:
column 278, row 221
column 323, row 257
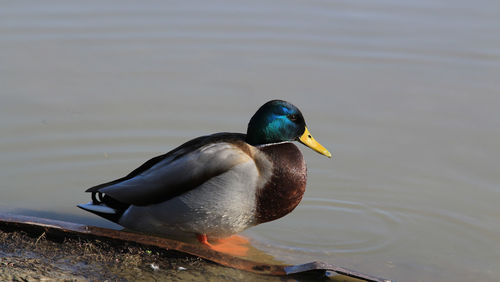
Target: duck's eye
column 293, row 118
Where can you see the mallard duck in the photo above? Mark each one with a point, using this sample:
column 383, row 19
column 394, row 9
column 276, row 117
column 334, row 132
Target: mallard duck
column 217, row 185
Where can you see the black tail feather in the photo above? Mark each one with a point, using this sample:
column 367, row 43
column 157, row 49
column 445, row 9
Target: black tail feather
column 101, row 199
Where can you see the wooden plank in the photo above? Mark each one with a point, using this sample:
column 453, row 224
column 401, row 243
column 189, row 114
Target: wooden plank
column 9, row 222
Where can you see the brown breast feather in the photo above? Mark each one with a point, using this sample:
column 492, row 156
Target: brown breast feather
column 283, row 192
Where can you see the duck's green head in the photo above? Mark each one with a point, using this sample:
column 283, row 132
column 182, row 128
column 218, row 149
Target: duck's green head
column 278, row 121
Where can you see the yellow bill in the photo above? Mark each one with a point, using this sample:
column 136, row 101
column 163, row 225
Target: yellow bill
column 309, row 141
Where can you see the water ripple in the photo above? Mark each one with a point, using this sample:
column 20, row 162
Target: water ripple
column 350, row 227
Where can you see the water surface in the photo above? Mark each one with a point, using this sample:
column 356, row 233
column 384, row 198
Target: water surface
column 404, row 94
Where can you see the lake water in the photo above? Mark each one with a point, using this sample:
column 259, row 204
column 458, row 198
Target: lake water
column 405, row 94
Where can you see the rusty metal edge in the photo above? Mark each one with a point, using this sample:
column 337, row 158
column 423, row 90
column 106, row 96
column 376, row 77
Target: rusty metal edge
column 57, row 227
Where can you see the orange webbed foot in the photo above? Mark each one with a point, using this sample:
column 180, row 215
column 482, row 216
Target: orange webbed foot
column 236, row 239
column 232, row 245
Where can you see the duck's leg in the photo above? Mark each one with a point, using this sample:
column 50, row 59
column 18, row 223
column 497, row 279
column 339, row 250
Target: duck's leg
column 202, row 238
column 232, row 245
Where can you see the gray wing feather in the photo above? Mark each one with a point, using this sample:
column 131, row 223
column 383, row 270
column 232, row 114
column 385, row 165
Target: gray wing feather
column 174, row 176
